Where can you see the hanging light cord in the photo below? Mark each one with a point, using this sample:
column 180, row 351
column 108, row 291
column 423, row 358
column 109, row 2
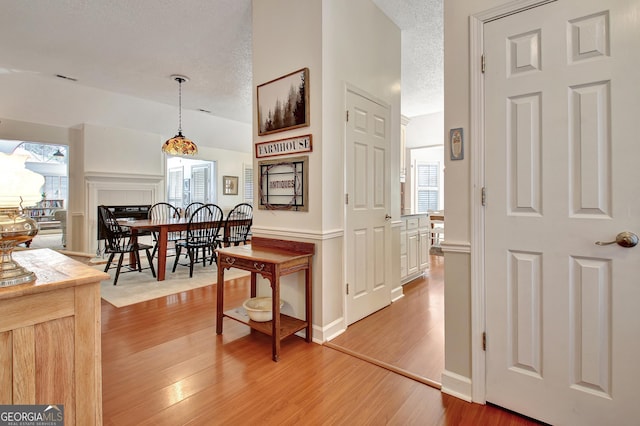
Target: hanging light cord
column 180, row 80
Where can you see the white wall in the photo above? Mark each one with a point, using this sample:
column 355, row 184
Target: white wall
column 458, row 190
column 341, row 43
column 425, row 130
column 49, row 100
column 112, row 150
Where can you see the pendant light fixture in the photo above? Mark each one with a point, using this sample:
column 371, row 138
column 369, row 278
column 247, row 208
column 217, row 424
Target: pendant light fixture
column 179, row 145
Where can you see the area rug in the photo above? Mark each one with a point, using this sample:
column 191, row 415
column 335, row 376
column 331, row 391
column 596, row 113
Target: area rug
column 136, row 287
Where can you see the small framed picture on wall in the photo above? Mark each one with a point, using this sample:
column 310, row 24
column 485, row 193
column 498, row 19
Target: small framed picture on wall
column 230, row 185
column 456, row 144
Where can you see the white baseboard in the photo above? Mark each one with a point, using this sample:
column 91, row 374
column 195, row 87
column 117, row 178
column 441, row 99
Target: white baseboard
column 397, row 294
column 329, row 331
column 456, row 385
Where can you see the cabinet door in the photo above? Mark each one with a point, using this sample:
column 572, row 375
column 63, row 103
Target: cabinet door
column 425, row 245
column 413, row 248
column 403, row 253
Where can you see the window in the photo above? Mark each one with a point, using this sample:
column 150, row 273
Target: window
column 427, row 186
column 190, row 181
column 175, row 185
column 248, row 184
column 50, row 161
column 56, row 187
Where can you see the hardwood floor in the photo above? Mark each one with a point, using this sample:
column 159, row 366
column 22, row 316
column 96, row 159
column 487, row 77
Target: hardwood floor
column 409, row 333
column 163, row 364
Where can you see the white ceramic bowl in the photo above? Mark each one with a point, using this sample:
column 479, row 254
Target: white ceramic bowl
column 259, row 308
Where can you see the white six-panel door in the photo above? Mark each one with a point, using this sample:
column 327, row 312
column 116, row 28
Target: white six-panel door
column 368, row 241
column 562, row 120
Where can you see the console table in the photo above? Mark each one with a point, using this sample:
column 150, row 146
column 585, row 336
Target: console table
column 271, row 258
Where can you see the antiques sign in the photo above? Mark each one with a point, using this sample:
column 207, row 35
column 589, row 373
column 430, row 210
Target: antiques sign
column 284, row 184
column 284, row 146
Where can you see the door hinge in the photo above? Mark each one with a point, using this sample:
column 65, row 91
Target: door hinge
column 484, row 196
column 346, row 198
column 347, row 289
column 484, row 340
column 482, row 63
column 347, row 116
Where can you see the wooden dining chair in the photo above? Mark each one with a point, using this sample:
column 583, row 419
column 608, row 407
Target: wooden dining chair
column 237, row 226
column 163, row 211
column 188, row 211
column 202, row 228
column 118, row 241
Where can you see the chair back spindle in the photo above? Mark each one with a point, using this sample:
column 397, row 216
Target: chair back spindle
column 238, row 225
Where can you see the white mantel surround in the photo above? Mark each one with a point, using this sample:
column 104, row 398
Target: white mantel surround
column 117, row 189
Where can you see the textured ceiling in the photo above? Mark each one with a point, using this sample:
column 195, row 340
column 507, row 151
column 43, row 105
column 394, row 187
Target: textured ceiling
column 133, row 46
column 421, row 22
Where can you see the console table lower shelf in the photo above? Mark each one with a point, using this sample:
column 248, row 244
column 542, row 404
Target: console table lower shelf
column 288, row 324
column 271, row 258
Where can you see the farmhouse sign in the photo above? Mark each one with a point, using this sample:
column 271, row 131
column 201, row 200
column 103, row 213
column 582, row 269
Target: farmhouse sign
column 284, row 146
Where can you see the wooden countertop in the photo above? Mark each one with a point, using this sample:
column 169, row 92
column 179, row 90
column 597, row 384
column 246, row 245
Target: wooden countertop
column 53, row 271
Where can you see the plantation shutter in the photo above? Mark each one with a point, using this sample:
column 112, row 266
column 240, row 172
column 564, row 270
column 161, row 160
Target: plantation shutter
column 248, row 184
column 175, row 186
column 199, row 184
column 427, row 187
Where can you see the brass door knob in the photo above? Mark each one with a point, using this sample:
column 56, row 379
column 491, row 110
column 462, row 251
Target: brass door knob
column 625, row 239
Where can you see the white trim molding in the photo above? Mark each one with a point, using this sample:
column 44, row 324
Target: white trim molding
column 329, row 331
column 145, row 187
column 297, row 233
column 455, row 247
column 456, row 385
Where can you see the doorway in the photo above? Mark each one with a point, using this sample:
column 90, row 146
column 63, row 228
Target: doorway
column 406, row 336
column 51, row 162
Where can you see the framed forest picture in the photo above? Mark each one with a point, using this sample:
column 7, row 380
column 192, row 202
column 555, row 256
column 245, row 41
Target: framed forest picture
column 283, row 103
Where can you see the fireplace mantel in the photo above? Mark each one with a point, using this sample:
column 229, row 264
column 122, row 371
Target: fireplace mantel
column 117, row 189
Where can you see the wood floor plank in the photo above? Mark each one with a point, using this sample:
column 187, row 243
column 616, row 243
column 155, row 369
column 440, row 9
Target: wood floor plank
column 163, row 364
column 409, row 333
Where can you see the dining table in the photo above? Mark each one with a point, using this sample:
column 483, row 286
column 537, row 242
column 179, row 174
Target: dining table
column 165, row 226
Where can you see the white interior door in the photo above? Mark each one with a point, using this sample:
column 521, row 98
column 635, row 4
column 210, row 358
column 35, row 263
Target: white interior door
column 561, row 118
column 368, row 241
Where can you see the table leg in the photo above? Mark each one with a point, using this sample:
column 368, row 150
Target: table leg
column 219, row 298
column 308, row 302
column 133, row 262
column 275, row 308
column 253, row 284
column 162, row 252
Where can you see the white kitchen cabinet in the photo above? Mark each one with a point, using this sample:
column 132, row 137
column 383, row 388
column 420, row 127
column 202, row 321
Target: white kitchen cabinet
column 415, row 242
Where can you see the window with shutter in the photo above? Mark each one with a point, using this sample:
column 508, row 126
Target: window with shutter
column 200, row 184
column 427, row 186
column 190, row 180
column 175, row 186
column 248, row 184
